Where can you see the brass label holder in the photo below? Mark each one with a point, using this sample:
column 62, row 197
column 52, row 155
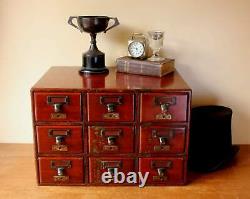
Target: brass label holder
column 58, row 115
column 163, row 116
column 115, row 116
column 59, row 147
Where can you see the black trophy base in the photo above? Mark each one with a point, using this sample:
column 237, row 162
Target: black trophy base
column 85, row 70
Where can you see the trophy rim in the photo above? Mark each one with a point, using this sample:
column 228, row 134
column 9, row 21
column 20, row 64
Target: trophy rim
column 93, row 16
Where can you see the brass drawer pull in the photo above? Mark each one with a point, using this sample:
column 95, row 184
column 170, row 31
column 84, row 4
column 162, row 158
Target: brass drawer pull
column 164, row 137
column 57, row 102
column 60, row 169
column 111, row 135
column 60, row 136
column 164, row 103
column 161, row 167
column 111, row 102
column 111, row 140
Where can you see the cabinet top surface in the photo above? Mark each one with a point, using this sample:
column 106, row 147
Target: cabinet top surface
column 57, row 78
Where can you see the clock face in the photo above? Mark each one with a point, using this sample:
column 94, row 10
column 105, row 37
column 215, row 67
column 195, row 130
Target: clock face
column 136, row 49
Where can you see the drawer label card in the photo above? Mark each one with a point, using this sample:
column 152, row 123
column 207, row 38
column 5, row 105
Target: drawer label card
column 115, row 116
column 58, row 115
column 163, row 116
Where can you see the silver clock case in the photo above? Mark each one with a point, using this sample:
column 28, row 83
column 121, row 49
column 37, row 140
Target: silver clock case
column 139, row 37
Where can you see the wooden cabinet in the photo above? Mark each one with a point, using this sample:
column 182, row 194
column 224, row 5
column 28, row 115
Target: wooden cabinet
column 87, row 125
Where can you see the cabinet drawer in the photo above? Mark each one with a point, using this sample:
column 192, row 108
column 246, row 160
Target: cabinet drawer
column 57, row 106
column 111, row 139
column 110, row 107
column 61, row 170
column 107, row 164
column 162, row 107
column 59, row 139
column 163, row 170
column 156, row 139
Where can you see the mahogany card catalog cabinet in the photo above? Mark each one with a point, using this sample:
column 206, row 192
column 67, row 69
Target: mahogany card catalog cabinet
column 87, row 125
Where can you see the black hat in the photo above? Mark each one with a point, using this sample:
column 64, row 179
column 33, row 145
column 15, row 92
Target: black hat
column 210, row 145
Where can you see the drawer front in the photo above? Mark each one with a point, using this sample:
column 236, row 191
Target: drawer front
column 57, row 106
column 111, row 139
column 156, row 139
column 59, row 139
column 61, row 170
column 163, row 170
column 163, row 107
column 110, row 107
column 97, row 166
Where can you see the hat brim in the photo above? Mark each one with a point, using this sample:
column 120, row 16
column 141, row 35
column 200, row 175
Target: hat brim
column 215, row 164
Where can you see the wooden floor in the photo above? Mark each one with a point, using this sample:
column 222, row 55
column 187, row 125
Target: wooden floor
column 17, row 180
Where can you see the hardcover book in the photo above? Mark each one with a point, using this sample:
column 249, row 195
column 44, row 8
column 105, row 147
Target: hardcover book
column 145, row 67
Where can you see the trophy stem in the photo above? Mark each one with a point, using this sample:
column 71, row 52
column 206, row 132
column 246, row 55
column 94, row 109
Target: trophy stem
column 93, row 59
column 93, row 42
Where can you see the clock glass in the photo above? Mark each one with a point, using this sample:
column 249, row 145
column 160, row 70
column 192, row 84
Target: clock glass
column 136, row 49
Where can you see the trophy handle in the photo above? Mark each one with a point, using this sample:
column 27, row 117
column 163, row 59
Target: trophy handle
column 115, row 24
column 70, row 22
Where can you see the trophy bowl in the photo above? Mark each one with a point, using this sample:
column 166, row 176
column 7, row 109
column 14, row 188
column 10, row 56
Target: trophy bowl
column 93, row 59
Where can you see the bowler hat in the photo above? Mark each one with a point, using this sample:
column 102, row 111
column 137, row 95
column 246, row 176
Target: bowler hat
column 210, row 145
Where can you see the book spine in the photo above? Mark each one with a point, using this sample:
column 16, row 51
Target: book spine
column 137, row 68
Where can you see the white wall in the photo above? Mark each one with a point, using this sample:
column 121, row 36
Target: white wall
column 209, row 39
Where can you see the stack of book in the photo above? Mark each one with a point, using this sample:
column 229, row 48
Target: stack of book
column 145, row 67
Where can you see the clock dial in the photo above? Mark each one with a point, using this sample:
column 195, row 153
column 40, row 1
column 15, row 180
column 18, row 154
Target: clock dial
column 136, row 49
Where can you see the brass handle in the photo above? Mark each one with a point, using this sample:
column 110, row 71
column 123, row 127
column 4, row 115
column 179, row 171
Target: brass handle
column 111, row 107
column 163, row 140
column 161, row 167
column 57, row 107
column 164, row 107
column 165, row 102
column 106, row 132
column 111, row 102
column 59, row 135
column 59, row 139
column 163, row 135
column 57, row 102
column 161, row 171
column 111, row 140
column 60, row 167
column 60, row 171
